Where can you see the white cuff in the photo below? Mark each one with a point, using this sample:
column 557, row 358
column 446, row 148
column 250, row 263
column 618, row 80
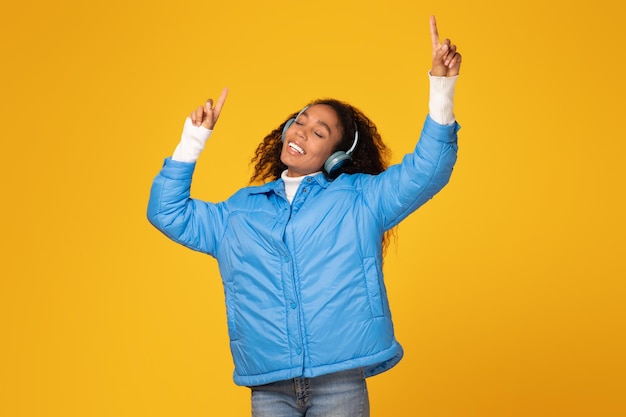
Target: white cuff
column 191, row 142
column 441, row 103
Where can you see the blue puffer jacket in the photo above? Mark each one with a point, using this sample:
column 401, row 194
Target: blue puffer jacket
column 303, row 282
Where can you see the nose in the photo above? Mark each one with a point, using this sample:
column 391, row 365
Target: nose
column 300, row 131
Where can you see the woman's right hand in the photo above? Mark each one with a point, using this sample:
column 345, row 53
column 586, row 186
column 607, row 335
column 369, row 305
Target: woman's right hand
column 208, row 114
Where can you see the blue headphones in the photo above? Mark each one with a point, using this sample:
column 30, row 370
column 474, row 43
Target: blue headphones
column 337, row 159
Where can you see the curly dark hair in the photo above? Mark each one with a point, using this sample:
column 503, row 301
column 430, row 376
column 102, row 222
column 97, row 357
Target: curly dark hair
column 371, row 155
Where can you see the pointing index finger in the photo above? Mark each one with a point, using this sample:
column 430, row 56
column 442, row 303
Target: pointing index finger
column 434, row 34
column 221, row 101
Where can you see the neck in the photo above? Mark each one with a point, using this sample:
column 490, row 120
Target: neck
column 292, row 183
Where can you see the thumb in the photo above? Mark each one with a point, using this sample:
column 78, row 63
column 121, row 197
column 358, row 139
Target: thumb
column 438, row 68
column 208, row 121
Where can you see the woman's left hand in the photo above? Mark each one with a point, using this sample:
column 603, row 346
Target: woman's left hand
column 446, row 58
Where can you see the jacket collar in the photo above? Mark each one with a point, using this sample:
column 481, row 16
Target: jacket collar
column 278, row 186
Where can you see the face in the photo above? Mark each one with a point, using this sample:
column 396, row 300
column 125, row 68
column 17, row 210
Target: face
column 310, row 140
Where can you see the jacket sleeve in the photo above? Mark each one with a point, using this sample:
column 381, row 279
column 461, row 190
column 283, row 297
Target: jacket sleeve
column 190, row 222
column 402, row 188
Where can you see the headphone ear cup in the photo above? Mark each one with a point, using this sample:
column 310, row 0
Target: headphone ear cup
column 289, row 123
column 335, row 162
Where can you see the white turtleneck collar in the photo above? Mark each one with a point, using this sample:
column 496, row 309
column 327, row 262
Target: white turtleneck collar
column 292, row 184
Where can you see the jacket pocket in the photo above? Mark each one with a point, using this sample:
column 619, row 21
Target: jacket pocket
column 230, row 310
column 373, row 274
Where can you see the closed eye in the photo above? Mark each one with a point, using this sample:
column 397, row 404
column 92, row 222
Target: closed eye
column 316, row 133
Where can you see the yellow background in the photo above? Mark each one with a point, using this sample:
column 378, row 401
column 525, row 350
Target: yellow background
column 507, row 289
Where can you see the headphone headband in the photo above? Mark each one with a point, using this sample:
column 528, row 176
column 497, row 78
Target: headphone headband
column 356, row 140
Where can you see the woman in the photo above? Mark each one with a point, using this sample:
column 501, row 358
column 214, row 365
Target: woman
column 301, row 255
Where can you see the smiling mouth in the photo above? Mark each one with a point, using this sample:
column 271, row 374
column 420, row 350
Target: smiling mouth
column 296, row 148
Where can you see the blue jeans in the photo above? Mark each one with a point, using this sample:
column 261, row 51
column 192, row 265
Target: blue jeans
column 341, row 394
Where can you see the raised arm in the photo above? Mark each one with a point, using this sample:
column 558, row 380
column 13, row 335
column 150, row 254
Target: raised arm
column 404, row 187
column 193, row 223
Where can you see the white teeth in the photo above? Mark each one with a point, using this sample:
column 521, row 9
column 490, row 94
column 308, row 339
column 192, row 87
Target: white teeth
column 296, row 148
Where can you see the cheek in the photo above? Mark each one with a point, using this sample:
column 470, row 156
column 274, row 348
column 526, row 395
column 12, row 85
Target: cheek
column 326, row 152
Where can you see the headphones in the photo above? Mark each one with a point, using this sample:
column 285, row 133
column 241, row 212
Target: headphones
column 337, row 159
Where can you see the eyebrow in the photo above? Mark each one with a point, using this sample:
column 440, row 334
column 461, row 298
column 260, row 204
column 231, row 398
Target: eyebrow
column 319, row 122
